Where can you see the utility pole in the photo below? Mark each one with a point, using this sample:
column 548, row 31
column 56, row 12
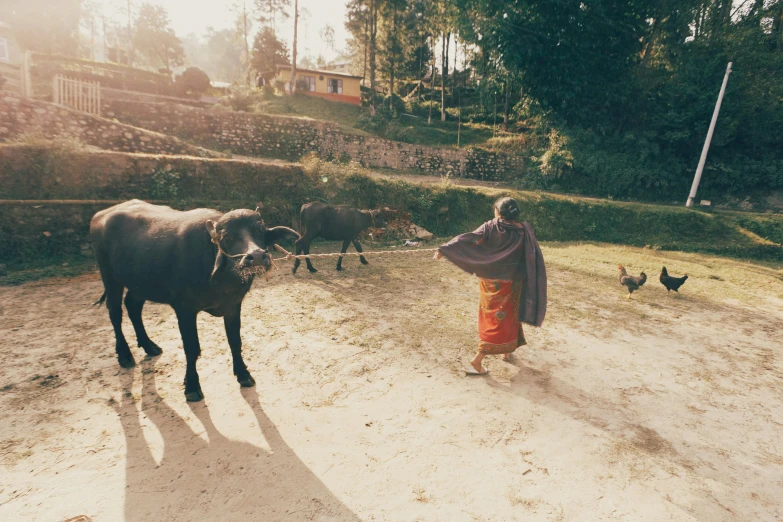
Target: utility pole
column 703, row 159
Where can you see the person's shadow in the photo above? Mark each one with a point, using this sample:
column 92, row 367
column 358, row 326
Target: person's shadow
column 221, row 479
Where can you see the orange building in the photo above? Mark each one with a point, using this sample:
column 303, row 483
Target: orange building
column 331, row 85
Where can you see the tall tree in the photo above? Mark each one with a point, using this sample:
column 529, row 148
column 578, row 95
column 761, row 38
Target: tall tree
column 373, row 51
column 268, row 51
column 269, row 11
column 292, row 81
column 243, row 27
column 45, row 26
column 357, row 23
column 391, row 11
column 155, row 39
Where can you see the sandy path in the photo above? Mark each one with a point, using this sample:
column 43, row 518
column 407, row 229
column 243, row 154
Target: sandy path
column 662, row 408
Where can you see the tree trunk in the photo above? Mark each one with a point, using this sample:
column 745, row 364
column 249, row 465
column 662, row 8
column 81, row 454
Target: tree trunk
column 392, row 56
column 454, row 74
column 373, row 32
column 366, row 37
column 444, row 65
column 244, row 41
column 505, row 109
column 432, row 78
column 292, row 89
column 130, row 37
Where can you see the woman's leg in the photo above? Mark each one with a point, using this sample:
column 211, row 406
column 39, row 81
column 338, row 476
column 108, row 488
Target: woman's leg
column 476, row 362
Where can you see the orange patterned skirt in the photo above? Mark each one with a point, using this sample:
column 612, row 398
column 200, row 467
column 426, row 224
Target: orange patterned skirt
column 499, row 330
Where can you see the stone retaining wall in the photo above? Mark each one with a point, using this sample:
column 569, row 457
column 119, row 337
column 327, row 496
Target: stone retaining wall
column 291, row 138
column 50, row 226
column 22, row 116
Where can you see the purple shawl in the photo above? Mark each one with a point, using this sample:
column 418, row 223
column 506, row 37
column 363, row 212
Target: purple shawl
column 507, row 251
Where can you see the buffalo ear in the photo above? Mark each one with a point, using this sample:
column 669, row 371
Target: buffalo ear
column 258, row 209
column 277, row 234
column 212, row 229
column 220, row 259
column 220, row 262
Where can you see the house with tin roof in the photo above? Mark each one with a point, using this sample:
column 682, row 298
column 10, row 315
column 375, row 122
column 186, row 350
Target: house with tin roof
column 330, row 85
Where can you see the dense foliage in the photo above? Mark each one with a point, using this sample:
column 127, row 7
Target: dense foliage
column 615, row 95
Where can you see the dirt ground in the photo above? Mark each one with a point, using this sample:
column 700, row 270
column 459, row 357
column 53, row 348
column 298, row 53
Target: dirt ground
column 659, row 408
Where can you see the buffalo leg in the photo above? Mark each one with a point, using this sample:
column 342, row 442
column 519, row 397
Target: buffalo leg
column 310, row 266
column 297, row 261
column 344, row 249
column 233, row 324
column 358, row 248
column 189, row 332
column 114, row 305
column 134, row 307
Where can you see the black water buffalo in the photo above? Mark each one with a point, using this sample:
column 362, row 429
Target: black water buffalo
column 318, row 219
column 199, row 260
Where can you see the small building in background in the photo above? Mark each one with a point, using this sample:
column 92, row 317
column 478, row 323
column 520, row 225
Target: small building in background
column 330, row 85
column 10, row 51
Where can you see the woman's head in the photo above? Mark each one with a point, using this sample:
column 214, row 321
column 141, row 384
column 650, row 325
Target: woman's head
column 507, row 208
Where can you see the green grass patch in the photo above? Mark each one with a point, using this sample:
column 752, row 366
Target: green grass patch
column 447, row 210
column 406, row 128
column 46, row 268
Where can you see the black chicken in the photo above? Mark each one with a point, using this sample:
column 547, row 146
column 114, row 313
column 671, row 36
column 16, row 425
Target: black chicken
column 672, row 283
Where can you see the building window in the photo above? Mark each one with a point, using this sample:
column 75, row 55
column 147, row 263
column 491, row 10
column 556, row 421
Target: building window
column 4, row 57
column 310, row 81
column 335, row 86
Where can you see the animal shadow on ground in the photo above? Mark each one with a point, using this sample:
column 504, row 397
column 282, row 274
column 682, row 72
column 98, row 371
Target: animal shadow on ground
column 221, row 479
column 628, row 430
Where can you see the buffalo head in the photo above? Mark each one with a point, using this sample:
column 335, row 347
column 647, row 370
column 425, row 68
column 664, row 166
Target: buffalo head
column 378, row 218
column 243, row 240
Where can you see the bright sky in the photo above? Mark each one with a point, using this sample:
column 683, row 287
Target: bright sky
column 194, row 16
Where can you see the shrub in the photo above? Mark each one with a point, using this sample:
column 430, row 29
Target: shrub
column 393, row 104
column 241, row 99
column 279, row 85
column 395, row 131
column 557, row 158
column 268, row 91
column 193, row 81
column 374, row 124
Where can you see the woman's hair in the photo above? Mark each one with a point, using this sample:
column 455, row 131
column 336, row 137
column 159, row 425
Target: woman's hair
column 507, row 208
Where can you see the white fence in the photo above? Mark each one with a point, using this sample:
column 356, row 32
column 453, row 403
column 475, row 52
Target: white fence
column 77, row 94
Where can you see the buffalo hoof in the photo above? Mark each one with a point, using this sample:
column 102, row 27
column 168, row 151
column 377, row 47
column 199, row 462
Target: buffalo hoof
column 312, row 270
column 247, row 382
column 127, row 362
column 152, row 349
column 364, row 261
column 194, row 396
column 340, row 269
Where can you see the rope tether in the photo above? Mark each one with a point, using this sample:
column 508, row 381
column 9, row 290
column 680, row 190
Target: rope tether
column 289, row 255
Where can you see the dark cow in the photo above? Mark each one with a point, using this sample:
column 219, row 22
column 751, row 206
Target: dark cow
column 199, row 260
column 339, row 222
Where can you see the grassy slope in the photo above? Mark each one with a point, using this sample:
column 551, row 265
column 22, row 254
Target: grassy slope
column 448, row 210
column 413, row 130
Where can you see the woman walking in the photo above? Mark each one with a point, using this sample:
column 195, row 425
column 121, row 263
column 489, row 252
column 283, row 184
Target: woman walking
column 505, row 255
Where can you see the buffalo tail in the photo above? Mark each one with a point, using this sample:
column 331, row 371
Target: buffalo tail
column 100, row 301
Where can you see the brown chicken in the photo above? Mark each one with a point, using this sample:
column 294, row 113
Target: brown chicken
column 632, row 283
column 670, row 282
